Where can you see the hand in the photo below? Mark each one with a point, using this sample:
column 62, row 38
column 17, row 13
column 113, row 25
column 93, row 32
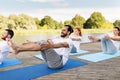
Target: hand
column 46, row 46
column 107, row 37
column 9, row 41
column 49, row 41
column 90, row 37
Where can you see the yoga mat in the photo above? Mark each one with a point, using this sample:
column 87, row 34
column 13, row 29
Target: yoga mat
column 31, row 72
column 10, row 62
column 100, row 56
column 39, row 56
column 80, row 52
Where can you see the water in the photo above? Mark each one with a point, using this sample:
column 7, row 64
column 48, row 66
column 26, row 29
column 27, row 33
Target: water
column 20, row 39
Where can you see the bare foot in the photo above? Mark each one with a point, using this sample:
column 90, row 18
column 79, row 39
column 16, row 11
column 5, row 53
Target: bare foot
column 12, row 46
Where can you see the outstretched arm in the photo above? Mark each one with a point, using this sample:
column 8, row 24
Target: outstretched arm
column 116, row 38
column 75, row 39
column 94, row 39
column 58, row 45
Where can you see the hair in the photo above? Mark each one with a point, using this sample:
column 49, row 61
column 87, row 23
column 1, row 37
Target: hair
column 10, row 32
column 118, row 30
column 69, row 28
column 80, row 33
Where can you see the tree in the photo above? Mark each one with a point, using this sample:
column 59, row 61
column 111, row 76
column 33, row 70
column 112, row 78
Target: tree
column 96, row 20
column 37, row 22
column 27, row 22
column 78, row 21
column 117, row 23
column 15, row 21
column 47, row 20
column 3, row 22
column 67, row 22
column 58, row 25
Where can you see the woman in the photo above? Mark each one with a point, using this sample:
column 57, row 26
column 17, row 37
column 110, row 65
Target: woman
column 76, row 39
column 110, row 45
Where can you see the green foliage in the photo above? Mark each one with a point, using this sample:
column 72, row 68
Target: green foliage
column 37, row 22
column 17, row 22
column 78, row 21
column 67, row 22
column 117, row 23
column 96, row 20
column 47, row 20
column 50, row 23
column 25, row 22
column 3, row 22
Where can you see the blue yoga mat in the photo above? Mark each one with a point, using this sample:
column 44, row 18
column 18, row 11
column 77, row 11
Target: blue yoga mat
column 39, row 56
column 100, row 56
column 80, row 52
column 10, row 62
column 31, row 72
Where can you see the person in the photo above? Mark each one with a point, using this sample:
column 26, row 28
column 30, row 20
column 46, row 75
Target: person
column 76, row 39
column 4, row 47
column 110, row 44
column 54, row 51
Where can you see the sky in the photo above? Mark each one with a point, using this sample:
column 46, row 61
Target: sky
column 61, row 10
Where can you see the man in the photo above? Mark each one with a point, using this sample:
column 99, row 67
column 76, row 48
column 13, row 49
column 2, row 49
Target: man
column 55, row 52
column 4, row 47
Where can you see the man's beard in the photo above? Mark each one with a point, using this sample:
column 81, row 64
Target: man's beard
column 64, row 35
column 3, row 38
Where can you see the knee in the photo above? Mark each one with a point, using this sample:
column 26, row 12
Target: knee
column 103, row 40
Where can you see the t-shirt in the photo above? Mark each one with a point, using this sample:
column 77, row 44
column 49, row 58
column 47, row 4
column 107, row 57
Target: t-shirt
column 63, row 51
column 76, row 43
column 4, row 50
column 116, row 44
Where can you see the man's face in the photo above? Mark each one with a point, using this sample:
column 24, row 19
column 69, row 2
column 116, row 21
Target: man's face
column 4, row 35
column 64, row 32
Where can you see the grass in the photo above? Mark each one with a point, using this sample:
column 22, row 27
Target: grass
column 51, row 31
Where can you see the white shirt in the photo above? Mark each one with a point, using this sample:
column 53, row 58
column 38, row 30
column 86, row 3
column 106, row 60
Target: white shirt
column 116, row 44
column 63, row 51
column 76, row 43
column 4, row 50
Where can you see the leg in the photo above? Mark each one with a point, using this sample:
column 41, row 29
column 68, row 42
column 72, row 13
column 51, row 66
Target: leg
column 29, row 47
column 52, row 59
column 104, row 46
column 108, row 46
column 111, row 47
column 25, row 47
column 74, row 50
